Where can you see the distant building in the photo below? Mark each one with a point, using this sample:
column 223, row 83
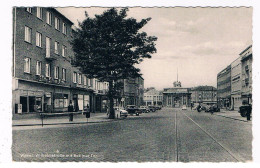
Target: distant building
column 176, row 96
column 224, row 87
column 153, row 97
column 246, row 64
column 132, row 92
column 236, row 84
column 204, row 94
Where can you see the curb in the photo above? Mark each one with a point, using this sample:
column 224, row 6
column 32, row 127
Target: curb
column 21, row 125
column 231, row 118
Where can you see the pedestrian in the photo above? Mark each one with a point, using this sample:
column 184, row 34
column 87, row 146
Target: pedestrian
column 70, row 109
column 191, row 106
column 248, row 112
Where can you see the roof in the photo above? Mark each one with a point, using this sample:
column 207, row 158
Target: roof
column 245, row 49
column 203, row 88
column 64, row 17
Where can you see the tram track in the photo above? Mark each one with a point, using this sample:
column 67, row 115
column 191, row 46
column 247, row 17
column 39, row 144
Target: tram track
column 236, row 157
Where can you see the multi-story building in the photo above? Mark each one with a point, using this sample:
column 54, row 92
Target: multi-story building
column 246, row 79
column 176, row 96
column 224, row 87
column 203, row 94
column 153, row 97
column 132, row 92
column 236, row 84
column 44, row 79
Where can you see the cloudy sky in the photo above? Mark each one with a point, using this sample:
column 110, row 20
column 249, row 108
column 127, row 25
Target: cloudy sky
column 199, row 42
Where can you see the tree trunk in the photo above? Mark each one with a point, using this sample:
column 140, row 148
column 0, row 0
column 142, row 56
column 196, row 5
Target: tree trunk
column 111, row 101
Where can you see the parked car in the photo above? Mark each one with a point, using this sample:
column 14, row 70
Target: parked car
column 184, row 107
column 158, row 107
column 132, row 109
column 120, row 112
column 214, row 108
column 152, row 108
column 144, row 109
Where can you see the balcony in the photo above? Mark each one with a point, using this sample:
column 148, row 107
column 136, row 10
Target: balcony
column 50, row 57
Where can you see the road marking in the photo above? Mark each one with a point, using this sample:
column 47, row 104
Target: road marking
column 236, row 157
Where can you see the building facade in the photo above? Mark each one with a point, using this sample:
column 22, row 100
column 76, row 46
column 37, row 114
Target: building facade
column 153, row 97
column 132, row 92
column 44, row 79
column 176, row 96
column 203, row 94
column 246, row 79
column 236, row 85
column 224, row 88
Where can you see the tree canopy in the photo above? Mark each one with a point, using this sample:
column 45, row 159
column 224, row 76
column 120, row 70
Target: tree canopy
column 108, row 46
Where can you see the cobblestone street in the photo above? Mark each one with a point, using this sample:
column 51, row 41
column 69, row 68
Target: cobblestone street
column 166, row 135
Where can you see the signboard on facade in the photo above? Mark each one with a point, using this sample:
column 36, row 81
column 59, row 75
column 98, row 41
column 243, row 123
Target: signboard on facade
column 47, row 94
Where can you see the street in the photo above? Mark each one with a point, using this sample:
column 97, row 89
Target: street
column 169, row 134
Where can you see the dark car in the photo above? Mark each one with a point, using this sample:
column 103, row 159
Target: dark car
column 152, row 108
column 132, row 109
column 213, row 108
column 144, row 109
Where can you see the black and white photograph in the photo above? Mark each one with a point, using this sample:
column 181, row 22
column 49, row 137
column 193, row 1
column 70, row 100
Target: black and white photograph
column 167, row 84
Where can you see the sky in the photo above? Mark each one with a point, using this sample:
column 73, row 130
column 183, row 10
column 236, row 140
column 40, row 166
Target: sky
column 196, row 42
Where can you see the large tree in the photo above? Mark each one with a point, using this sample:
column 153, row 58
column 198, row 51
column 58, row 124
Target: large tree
column 108, row 46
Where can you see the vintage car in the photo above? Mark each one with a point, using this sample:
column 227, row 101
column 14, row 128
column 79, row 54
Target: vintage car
column 133, row 110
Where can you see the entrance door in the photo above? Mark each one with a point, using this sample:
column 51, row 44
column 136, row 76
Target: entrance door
column 31, row 103
column 23, row 101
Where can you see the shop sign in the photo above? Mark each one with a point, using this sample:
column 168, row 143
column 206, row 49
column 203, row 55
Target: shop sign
column 38, row 94
column 31, row 93
column 24, row 92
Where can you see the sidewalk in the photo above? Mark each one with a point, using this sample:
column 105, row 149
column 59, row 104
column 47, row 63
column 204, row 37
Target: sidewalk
column 58, row 120
column 231, row 114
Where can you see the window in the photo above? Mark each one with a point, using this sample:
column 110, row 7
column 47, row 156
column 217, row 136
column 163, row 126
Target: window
column 64, row 28
column 74, row 77
column 64, row 50
column 29, row 10
column 38, row 68
column 85, row 80
column 48, row 70
column 56, row 47
column 39, row 13
column 56, row 72
column 28, row 34
column 89, row 82
column 48, row 17
column 48, row 47
column 38, row 39
column 63, row 74
column 57, row 23
column 27, row 65
column 79, row 78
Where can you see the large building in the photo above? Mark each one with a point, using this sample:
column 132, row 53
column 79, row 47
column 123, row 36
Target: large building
column 44, row 79
column 153, row 97
column 203, row 94
column 133, row 91
column 224, row 88
column 246, row 70
column 176, row 96
column 236, row 85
